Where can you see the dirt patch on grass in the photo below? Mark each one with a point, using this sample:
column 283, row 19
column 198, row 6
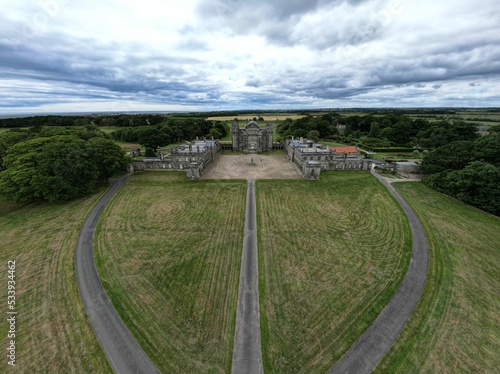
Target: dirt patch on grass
column 252, row 167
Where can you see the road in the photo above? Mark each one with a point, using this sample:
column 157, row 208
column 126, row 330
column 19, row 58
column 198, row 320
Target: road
column 122, row 350
column 371, row 347
column 247, row 353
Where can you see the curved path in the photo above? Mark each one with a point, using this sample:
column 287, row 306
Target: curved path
column 371, row 347
column 122, row 350
column 247, row 353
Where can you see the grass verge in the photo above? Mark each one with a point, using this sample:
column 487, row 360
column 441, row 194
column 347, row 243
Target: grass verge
column 456, row 326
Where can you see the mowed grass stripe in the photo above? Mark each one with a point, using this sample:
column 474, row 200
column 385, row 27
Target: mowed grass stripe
column 169, row 253
column 456, row 326
column 52, row 331
column 331, row 254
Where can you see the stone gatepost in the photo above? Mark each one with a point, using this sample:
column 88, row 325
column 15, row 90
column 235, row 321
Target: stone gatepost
column 311, row 170
column 193, row 171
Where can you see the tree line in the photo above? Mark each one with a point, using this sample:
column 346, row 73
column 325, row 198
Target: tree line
column 171, row 131
column 461, row 163
column 467, row 170
column 121, row 120
column 378, row 131
column 54, row 164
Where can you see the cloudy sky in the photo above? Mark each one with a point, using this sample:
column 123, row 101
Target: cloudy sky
column 129, row 55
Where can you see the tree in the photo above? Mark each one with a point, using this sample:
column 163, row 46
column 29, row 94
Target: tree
column 108, row 157
column 468, row 171
column 495, row 129
column 477, row 184
column 152, row 138
column 313, row 135
column 221, row 128
column 454, row 156
column 215, row 133
column 465, row 130
column 323, row 127
column 401, row 132
column 7, row 140
column 374, row 130
column 58, row 168
column 487, row 149
column 386, row 133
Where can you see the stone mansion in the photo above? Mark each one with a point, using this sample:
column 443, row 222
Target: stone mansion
column 310, row 158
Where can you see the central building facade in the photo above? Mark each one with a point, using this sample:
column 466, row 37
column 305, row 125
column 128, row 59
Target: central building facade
column 252, row 138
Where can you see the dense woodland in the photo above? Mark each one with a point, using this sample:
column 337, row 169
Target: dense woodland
column 467, row 170
column 55, row 164
column 372, row 131
column 171, row 131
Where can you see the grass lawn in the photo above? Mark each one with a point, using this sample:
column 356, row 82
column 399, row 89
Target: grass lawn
column 456, row 326
column 331, row 143
column 52, row 331
column 169, row 255
column 228, row 137
column 331, row 254
column 129, row 146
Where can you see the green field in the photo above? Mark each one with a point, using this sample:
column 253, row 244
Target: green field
column 169, row 254
column 331, row 254
column 456, row 326
column 52, row 332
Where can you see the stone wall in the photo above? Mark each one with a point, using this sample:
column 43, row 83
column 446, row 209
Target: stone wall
column 192, row 158
column 326, row 158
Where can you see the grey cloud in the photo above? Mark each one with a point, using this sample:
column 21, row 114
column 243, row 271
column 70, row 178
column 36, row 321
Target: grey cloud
column 277, row 9
column 253, row 82
column 96, row 66
column 193, row 44
column 101, row 72
column 339, row 65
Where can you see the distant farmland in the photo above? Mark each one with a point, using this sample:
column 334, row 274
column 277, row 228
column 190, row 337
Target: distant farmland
column 331, row 254
column 169, row 253
column 247, row 117
column 456, row 326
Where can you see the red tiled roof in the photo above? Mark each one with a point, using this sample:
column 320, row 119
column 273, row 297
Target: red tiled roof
column 345, row 149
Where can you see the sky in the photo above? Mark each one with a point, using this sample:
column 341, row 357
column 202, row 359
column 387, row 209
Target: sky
column 203, row 55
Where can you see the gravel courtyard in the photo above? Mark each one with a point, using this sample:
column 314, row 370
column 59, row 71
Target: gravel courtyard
column 241, row 167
